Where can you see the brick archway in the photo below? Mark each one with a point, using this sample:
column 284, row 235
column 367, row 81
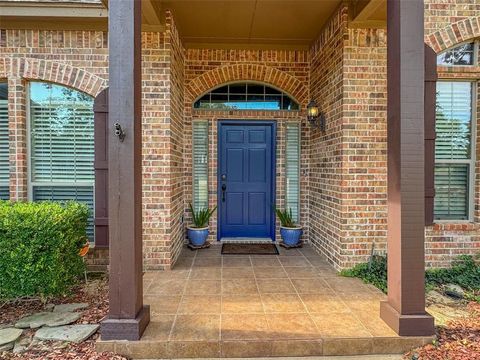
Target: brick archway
column 247, row 72
column 55, row 72
column 453, row 34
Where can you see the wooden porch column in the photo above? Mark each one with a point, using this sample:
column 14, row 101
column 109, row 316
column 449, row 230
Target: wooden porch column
column 127, row 317
column 404, row 311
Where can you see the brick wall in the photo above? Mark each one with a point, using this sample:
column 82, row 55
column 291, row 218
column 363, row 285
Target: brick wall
column 326, row 150
column 283, row 69
column 79, row 59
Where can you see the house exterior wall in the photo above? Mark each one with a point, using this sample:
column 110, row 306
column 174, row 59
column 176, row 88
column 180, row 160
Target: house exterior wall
column 285, row 70
column 343, row 171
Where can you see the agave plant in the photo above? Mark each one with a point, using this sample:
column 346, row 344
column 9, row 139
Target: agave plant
column 286, row 218
column 202, row 216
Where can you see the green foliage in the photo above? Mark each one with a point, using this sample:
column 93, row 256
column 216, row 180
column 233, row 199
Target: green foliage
column 39, row 246
column 465, row 272
column 201, row 217
column 373, row 272
column 286, row 218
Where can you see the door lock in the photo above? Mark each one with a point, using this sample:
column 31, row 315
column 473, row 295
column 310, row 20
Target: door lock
column 119, row 132
column 224, row 188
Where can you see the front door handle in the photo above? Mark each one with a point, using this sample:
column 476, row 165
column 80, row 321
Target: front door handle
column 224, row 187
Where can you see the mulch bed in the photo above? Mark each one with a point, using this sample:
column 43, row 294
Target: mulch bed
column 459, row 340
column 95, row 292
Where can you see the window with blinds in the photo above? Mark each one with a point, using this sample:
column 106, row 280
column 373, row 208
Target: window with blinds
column 200, row 164
column 292, row 169
column 61, row 145
column 454, row 158
column 4, row 163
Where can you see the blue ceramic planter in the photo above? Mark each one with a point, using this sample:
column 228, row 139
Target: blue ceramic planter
column 197, row 236
column 291, row 236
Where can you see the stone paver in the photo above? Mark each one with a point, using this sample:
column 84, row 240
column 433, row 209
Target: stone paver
column 70, row 307
column 9, row 335
column 47, row 318
column 71, row 333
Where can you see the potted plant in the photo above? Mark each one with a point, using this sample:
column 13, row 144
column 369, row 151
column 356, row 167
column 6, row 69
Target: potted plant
column 198, row 232
column 289, row 231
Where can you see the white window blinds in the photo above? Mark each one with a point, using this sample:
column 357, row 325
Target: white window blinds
column 292, row 169
column 453, row 150
column 200, row 164
column 62, row 145
column 4, row 152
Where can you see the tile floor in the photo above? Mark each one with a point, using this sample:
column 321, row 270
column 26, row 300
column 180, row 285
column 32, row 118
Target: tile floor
column 293, row 304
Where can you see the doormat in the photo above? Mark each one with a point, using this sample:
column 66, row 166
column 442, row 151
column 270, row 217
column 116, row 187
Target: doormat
column 249, row 249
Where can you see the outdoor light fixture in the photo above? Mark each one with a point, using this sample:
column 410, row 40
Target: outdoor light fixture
column 315, row 117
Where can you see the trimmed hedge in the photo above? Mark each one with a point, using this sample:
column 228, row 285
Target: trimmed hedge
column 39, row 247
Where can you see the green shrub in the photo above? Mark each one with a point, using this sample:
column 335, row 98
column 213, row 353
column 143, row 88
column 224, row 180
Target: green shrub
column 373, row 272
column 39, row 245
column 465, row 272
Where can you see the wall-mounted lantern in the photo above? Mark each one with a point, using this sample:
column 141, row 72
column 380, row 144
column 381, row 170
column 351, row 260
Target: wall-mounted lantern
column 315, row 117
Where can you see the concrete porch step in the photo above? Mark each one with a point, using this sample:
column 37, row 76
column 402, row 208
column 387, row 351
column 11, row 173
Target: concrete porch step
column 258, row 348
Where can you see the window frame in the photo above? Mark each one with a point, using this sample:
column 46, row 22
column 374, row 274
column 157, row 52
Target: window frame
column 470, row 162
column 298, row 124
column 30, row 183
column 475, row 58
column 194, row 202
column 247, row 82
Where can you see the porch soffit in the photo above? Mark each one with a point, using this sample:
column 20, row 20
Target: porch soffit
column 204, row 23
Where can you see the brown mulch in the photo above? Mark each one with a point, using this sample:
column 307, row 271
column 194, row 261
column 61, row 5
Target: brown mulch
column 459, row 340
column 95, row 292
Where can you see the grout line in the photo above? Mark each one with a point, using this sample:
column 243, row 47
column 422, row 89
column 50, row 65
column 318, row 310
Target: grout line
column 181, row 298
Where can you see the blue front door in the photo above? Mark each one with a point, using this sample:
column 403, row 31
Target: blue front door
column 246, row 179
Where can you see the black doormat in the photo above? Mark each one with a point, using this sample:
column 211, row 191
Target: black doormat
column 249, row 249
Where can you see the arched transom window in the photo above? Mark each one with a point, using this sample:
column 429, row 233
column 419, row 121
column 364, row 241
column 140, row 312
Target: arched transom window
column 463, row 54
column 246, row 96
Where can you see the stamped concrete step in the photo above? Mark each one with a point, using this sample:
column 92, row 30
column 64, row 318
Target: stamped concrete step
column 276, row 348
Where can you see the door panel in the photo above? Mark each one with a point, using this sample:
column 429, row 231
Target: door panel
column 246, row 179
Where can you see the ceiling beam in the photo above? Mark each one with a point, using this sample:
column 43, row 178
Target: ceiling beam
column 150, row 13
column 368, row 10
column 9, row 9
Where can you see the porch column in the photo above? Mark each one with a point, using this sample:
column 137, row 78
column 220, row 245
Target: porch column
column 404, row 311
column 127, row 316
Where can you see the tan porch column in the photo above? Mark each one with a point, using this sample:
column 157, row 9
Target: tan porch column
column 127, row 317
column 404, row 311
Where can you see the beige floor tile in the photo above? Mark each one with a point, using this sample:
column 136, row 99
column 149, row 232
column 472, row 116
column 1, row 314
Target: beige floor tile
column 301, row 272
column 347, row 285
column 192, row 350
column 311, row 286
column 234, row 261
column 239, row 286
column 292, row 326
column 208, row 262
column 339, row 325
column 245, row 327
column 183, row 263
column 205, row 304
column 159, row 329
column 269, row 272
column 275, row 286
column 294, row 261
column 203, row 287
column 237, row 273
column 263, row 261
column 166, row 275
column 166, row 287
column 288, row 252
column 196, row 327
column 206, row 273
column 160, row 305
column 242, row 304
column 324, row 304
column 282, row 303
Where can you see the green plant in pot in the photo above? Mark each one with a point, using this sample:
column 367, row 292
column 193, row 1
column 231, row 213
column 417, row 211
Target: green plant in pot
column 290, row 232
column 198, row 232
